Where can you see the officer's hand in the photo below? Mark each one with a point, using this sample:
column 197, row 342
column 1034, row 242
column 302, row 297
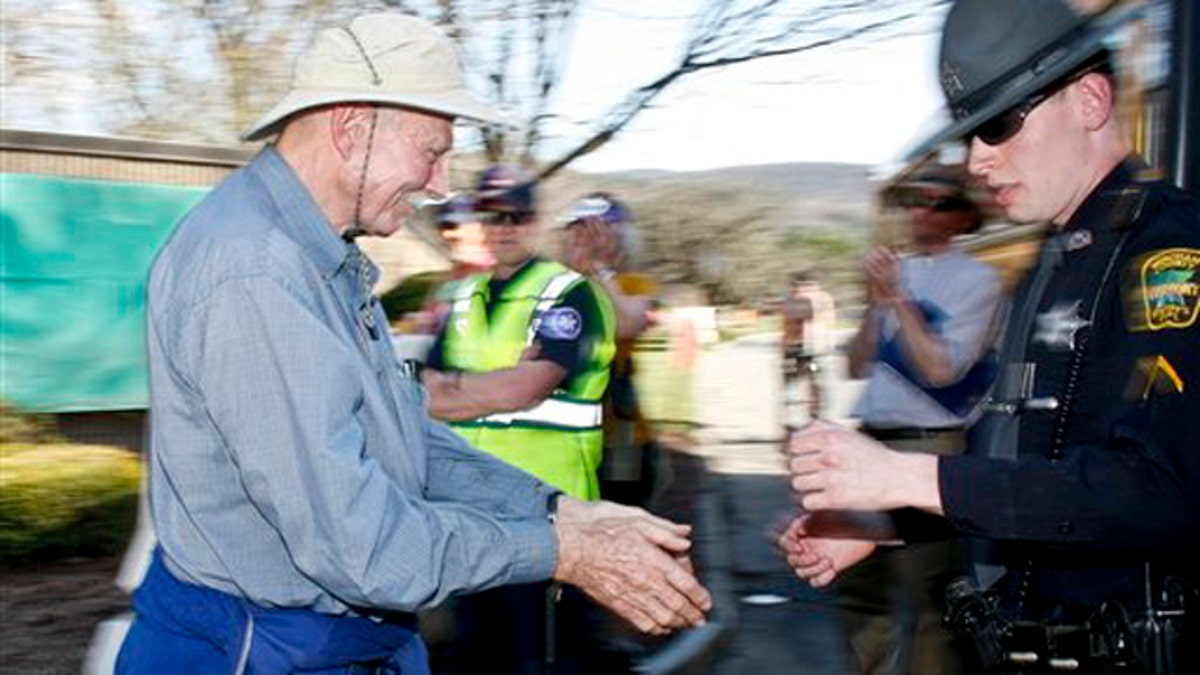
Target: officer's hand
column 532, row 352
column 819, row 559
column 632, row 562
column 835, row 468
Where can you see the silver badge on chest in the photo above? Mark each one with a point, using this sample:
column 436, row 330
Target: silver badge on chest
column 1058, row 326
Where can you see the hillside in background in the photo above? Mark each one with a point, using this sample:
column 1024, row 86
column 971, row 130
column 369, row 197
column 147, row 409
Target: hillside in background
column 740, row 231
column 736, row 232
column 824, row 195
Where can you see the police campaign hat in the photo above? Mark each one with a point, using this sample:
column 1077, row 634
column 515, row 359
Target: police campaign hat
column 995, row 54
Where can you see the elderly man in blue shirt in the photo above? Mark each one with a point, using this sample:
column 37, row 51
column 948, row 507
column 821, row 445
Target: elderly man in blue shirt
column 305, row 503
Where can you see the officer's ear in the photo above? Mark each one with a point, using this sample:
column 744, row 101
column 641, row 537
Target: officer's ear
column 1097, row 98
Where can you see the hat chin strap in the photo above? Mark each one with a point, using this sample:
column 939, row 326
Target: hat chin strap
column 358, row 227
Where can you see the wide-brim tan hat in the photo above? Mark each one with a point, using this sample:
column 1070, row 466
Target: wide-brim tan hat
column 385, row 58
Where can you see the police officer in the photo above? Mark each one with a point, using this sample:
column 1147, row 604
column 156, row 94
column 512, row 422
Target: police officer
column 1085, row 474
column 519, row 369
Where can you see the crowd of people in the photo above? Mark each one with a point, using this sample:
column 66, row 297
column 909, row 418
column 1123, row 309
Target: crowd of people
column 310, row 495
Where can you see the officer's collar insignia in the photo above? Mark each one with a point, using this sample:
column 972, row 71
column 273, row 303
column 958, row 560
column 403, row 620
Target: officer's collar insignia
column 1057, row 326
column 951, row 82
column 1127, row 206
column 1153, row 375
column 1170, row 288
column 1078, row 239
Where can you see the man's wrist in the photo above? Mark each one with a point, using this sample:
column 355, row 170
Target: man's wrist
column 918, row 486
column 552, row 507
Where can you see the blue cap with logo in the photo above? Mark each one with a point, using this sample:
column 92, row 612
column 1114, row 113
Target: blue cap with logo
column 599, row 205
column 457, row 210
column 504, row 188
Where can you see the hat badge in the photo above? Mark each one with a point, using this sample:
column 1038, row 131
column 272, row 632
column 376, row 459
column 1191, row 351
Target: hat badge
column 951, row 82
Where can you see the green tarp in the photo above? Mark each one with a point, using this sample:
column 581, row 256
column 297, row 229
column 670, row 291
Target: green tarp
column 72, row 288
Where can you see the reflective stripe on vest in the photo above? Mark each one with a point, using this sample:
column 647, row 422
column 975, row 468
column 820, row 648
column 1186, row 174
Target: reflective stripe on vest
column 558, row 440
column 554, row 413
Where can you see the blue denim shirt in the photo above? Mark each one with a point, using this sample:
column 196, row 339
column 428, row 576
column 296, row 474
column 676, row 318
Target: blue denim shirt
column 291, row 463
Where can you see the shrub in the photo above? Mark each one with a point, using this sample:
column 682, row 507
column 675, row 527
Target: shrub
column 410, row 294
column 65, row 500
column 21, row 427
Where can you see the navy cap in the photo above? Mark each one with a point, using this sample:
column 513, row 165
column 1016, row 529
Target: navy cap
column 504, row 188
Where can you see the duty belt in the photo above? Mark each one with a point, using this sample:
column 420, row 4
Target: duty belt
column 910, row 433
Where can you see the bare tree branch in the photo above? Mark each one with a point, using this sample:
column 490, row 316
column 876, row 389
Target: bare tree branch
column 705, row 51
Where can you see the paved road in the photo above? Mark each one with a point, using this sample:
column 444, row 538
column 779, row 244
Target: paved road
column 782, row 625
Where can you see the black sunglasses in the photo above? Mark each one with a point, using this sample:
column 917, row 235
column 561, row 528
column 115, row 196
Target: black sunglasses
column 948, row 203
column 508, row 218
column 1008, row 123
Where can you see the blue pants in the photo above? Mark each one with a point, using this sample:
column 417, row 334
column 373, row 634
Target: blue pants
column 182, row 628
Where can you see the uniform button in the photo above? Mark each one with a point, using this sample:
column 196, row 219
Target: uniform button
column 1065, row 527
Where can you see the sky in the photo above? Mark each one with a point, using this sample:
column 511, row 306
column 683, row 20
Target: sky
column 862, row 103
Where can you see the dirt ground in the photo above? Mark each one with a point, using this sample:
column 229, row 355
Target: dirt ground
column 48, row 613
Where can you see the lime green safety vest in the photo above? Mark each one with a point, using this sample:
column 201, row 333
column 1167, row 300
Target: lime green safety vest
column 559, row 440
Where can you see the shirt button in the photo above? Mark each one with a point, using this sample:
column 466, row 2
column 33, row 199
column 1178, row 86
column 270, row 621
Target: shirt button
column 1065, row 527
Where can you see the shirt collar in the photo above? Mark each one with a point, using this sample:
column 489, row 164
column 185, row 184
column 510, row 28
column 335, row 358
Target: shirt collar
column 302, row 220
column 1107, row 205
column 518, row 273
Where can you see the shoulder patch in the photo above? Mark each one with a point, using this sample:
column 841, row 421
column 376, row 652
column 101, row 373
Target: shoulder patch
column 1169, row 288
column 560, row 323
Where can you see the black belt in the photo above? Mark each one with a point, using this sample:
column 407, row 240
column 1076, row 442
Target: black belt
column 910, row 433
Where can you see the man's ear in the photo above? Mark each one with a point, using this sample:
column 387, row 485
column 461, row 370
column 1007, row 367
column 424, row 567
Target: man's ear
column 349, row 126
column 1098, row 100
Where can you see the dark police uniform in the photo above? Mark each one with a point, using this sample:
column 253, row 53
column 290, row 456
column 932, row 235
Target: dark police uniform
column 1086, row 465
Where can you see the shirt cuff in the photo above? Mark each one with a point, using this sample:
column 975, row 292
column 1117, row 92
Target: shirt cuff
column 535, row 551
column 972, row 495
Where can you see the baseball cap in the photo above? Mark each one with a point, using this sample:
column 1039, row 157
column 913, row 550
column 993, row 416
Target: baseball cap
column 459, row 209
column 505, row 188
column 385, row 58
column 599, row 205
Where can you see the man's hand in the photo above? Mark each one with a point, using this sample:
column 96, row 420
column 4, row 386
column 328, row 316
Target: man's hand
column 819, row 559
column 632, row 562
column 834, row 468
column 882, row 269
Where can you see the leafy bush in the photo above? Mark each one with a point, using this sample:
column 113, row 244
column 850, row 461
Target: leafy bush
column 22, row 427
column 65, row 500
column 410, row 294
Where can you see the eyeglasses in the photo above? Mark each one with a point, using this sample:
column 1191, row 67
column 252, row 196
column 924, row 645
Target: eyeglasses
column 1008, row 123
column 944, row 204
column 508, row 218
